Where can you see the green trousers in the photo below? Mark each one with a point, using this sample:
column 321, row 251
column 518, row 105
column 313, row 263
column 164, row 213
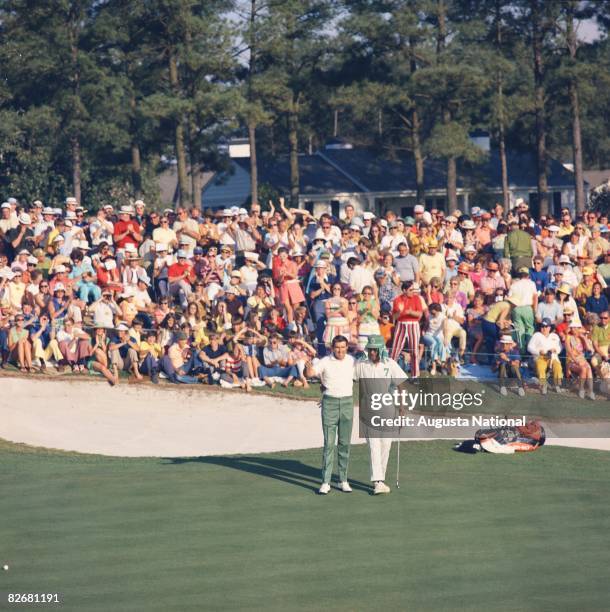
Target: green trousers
column 337, row 414
column 523, row 320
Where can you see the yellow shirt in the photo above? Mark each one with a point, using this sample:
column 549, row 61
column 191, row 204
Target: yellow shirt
column 164, row 236
column 154, row 348
column 582, row 292
column 201, row 338
column 431, row 266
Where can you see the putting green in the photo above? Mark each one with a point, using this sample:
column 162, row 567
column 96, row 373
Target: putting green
column 464, row 532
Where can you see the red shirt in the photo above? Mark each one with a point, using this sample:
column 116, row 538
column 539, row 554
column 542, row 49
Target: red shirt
column 403, row 303
column 177, row 269
column 120, row 227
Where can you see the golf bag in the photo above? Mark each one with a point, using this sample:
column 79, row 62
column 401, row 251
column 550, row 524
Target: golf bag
column 509, row 440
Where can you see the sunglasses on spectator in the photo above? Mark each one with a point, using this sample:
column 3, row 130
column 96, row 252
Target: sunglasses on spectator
column 603, row 318
column 19, row 320
column 353, row 302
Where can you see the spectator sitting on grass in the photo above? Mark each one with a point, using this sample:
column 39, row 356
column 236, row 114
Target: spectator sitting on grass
column 235, row 368
column 508, row 362
column 276, row 363
column 179, row 364
column 545, row 347
column 74, row 344
column 211, row 359
column 300, row 353
column 150, row 353
column 124, row 353
column 19, row 345
column 99, row 355
column 251, row 340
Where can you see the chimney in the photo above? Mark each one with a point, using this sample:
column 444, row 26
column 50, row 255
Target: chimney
column 335, row 144
column 480, row 138
column 239, row 147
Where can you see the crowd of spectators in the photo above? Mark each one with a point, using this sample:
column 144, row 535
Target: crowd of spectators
column 248, row 297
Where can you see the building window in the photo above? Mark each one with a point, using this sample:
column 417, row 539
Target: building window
column 309, row 207
column 534, row 203
column 557, row 204
column 334, row 208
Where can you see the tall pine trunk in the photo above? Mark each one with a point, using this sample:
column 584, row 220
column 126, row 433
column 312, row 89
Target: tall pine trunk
column 572, row 42
column 452, row 202
column 197, row 185
column 253, row 163
column 183, row 186
column 136, row 160
column 251, row 122
column 419, row 157
column 74, row 139
column 136, row 170
column 293, row 141
column 76, row 167
column 501, row 127
column 415, row 137
column 539, row 102
column 196, row 165
column 503, row 167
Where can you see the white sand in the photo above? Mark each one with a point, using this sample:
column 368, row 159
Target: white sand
column 165, row 421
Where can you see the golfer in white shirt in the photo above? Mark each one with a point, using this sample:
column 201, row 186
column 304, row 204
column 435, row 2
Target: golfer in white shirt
column 386, row 371
column 336, row 372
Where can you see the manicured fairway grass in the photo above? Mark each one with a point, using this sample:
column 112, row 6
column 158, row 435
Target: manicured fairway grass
column 465, row 532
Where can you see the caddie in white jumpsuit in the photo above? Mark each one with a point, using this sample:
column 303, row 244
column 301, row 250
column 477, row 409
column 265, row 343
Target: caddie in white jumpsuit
column 386, row 371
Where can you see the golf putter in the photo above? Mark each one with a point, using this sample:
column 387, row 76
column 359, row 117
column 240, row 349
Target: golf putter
column 398, row 462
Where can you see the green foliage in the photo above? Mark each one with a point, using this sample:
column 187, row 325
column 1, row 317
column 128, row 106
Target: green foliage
column 97, row 72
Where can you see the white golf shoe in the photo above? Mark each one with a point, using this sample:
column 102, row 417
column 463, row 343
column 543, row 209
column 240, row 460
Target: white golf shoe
column 521, row 392
column 381, row 488
column 503, row 391
column 344, row 486
column 324, row 489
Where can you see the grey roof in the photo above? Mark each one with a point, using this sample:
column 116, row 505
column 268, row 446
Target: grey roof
column 381, row 174
column 168, row 184
column 316, row 177
column 595, row 178
column 333, row 171
column 228, row 188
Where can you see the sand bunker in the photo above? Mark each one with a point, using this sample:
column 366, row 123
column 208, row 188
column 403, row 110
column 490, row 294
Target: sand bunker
column 165, row 421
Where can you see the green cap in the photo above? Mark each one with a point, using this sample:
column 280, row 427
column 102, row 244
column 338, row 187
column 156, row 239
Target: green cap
column 375, row 342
